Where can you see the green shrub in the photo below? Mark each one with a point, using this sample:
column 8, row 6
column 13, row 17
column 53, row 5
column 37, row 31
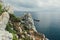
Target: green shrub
column 13, row 18
column 9, row 28
column 0, row 8
column 14, row 37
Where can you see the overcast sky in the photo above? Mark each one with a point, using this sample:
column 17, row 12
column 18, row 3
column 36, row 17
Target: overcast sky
column 34, row 5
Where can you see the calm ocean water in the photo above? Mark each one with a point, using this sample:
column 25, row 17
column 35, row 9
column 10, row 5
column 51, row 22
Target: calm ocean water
column 49, row 23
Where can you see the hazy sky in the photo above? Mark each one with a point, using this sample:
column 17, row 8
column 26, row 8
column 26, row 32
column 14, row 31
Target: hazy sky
column 49, row 10
column 35, row 5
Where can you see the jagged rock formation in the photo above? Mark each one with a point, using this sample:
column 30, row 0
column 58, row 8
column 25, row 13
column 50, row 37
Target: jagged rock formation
column 29, row 21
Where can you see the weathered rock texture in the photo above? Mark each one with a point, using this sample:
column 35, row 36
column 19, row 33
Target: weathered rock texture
column 4, row 35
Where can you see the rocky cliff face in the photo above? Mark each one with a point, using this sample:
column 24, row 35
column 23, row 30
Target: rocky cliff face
column 4, row 18
column 24, row 27
column 27, row 18
column 17, row 28
column 4, row 35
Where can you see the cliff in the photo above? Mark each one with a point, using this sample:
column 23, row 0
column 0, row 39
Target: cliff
column 17, row 28
column 23, row 27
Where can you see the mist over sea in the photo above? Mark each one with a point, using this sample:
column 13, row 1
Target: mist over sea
column 49, row 23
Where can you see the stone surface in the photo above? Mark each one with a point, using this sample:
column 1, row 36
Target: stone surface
column 4, row 35
column 29, row 21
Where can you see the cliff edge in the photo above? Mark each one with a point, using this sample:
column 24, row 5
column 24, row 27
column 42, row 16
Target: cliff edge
column 17, row 28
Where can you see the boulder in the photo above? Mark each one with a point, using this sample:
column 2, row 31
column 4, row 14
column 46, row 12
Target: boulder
column 4, row 35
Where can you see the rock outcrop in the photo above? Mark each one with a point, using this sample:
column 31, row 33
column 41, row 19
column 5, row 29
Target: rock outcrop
column 27, row 18
column 4, row 35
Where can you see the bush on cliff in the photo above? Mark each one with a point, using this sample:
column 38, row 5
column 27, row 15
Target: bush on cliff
column 1, row 9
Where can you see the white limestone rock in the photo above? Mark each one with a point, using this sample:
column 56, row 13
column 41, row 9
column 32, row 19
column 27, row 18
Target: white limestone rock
column 29, row 21
column 8, row 8
column 4, row 20
column 4, row 35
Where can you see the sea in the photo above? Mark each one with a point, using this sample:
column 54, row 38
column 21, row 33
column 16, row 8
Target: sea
column 49, row 23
